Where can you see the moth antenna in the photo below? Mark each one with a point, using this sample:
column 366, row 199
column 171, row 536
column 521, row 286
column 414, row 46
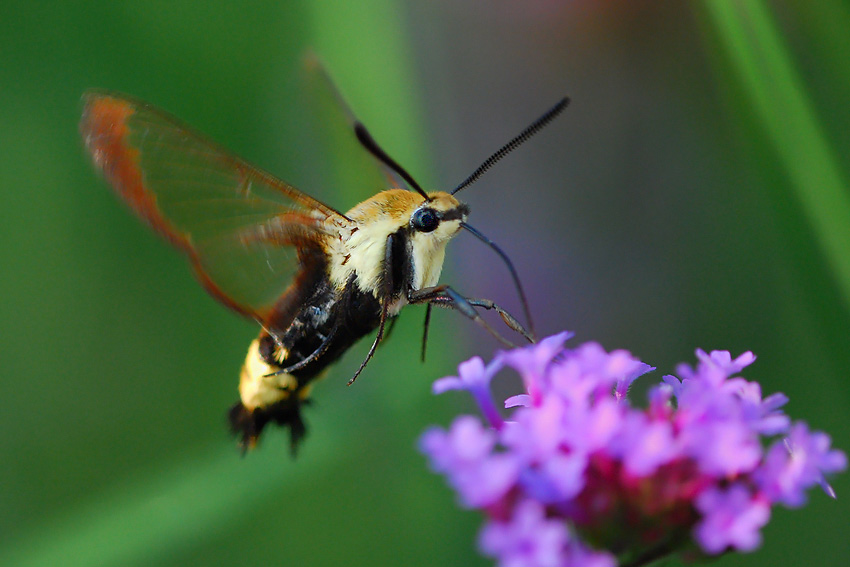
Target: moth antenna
column 368, row 142
column 535, row 127
column 511, row 269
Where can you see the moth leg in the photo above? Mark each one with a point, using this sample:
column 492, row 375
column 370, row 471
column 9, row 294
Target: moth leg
column 445, row 296
column 425, row 329
column 378, row 338
column 386, row 297
column 322, row 348
column 508, row 319
column 391, row 321
column 490, row 305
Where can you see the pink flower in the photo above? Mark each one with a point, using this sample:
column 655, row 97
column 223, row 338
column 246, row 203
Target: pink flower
column 576, row 462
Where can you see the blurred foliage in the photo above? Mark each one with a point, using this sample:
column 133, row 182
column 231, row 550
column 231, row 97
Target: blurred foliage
column 694, row 194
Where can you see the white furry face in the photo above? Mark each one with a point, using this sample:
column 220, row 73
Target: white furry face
column 361, row 249
column 428, row 250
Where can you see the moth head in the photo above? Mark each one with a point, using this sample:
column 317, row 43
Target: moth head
column 439, row 217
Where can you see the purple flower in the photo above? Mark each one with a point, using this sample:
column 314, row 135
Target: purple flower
column 645, row 444
column 464, row 454
column 528, row 538
column 731, row 517
column 721, row 447
column 531, row 362
column 589, row 429
column 797, row 463
column 474, row 377
column 575, row 462
column 716, row 366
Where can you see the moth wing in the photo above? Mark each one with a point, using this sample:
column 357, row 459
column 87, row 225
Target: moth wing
column 338, row 121
column 246, row 233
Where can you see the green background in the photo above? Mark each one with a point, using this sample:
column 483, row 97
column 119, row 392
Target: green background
column 694, row 194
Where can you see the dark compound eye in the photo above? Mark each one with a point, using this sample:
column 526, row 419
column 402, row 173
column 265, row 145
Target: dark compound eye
column 425, row 220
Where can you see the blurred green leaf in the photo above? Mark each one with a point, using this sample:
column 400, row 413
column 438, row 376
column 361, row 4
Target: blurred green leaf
column 779, row 99
column 140, row 522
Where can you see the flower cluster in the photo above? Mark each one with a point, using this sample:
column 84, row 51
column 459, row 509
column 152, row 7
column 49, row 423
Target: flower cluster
column 580, row 477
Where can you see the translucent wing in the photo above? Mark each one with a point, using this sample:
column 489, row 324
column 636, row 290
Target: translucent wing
column 246, row 233
column 338, row 126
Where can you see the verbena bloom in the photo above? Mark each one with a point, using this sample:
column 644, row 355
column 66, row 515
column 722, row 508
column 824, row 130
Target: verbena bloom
column 577, row 476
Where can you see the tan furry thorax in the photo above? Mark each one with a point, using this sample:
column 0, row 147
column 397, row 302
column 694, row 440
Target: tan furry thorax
column 358, row 248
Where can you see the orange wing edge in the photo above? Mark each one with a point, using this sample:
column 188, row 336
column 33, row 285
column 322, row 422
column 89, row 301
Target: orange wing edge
column 105, row 132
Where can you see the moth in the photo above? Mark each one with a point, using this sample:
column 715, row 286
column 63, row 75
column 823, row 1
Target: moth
column 316, row 280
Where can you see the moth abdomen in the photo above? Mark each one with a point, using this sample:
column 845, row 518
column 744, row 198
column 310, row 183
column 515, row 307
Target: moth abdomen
column 281, row 365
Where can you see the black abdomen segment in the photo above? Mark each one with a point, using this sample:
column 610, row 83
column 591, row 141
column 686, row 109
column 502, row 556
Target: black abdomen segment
column 331, row 321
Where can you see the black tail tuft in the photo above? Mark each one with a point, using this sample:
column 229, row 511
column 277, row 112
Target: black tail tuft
column 247, row 425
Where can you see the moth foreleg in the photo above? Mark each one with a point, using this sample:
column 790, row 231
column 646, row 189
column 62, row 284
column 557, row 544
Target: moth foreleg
column 445, row 296
column 425, row 330
column 385, row 298
column 378, row 337
column 508, row 319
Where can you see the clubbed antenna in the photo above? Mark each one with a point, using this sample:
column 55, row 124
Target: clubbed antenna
column 368, row 142
column 514, row 144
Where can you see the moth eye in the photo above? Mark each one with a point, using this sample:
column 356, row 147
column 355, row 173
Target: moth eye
column 425, row 220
